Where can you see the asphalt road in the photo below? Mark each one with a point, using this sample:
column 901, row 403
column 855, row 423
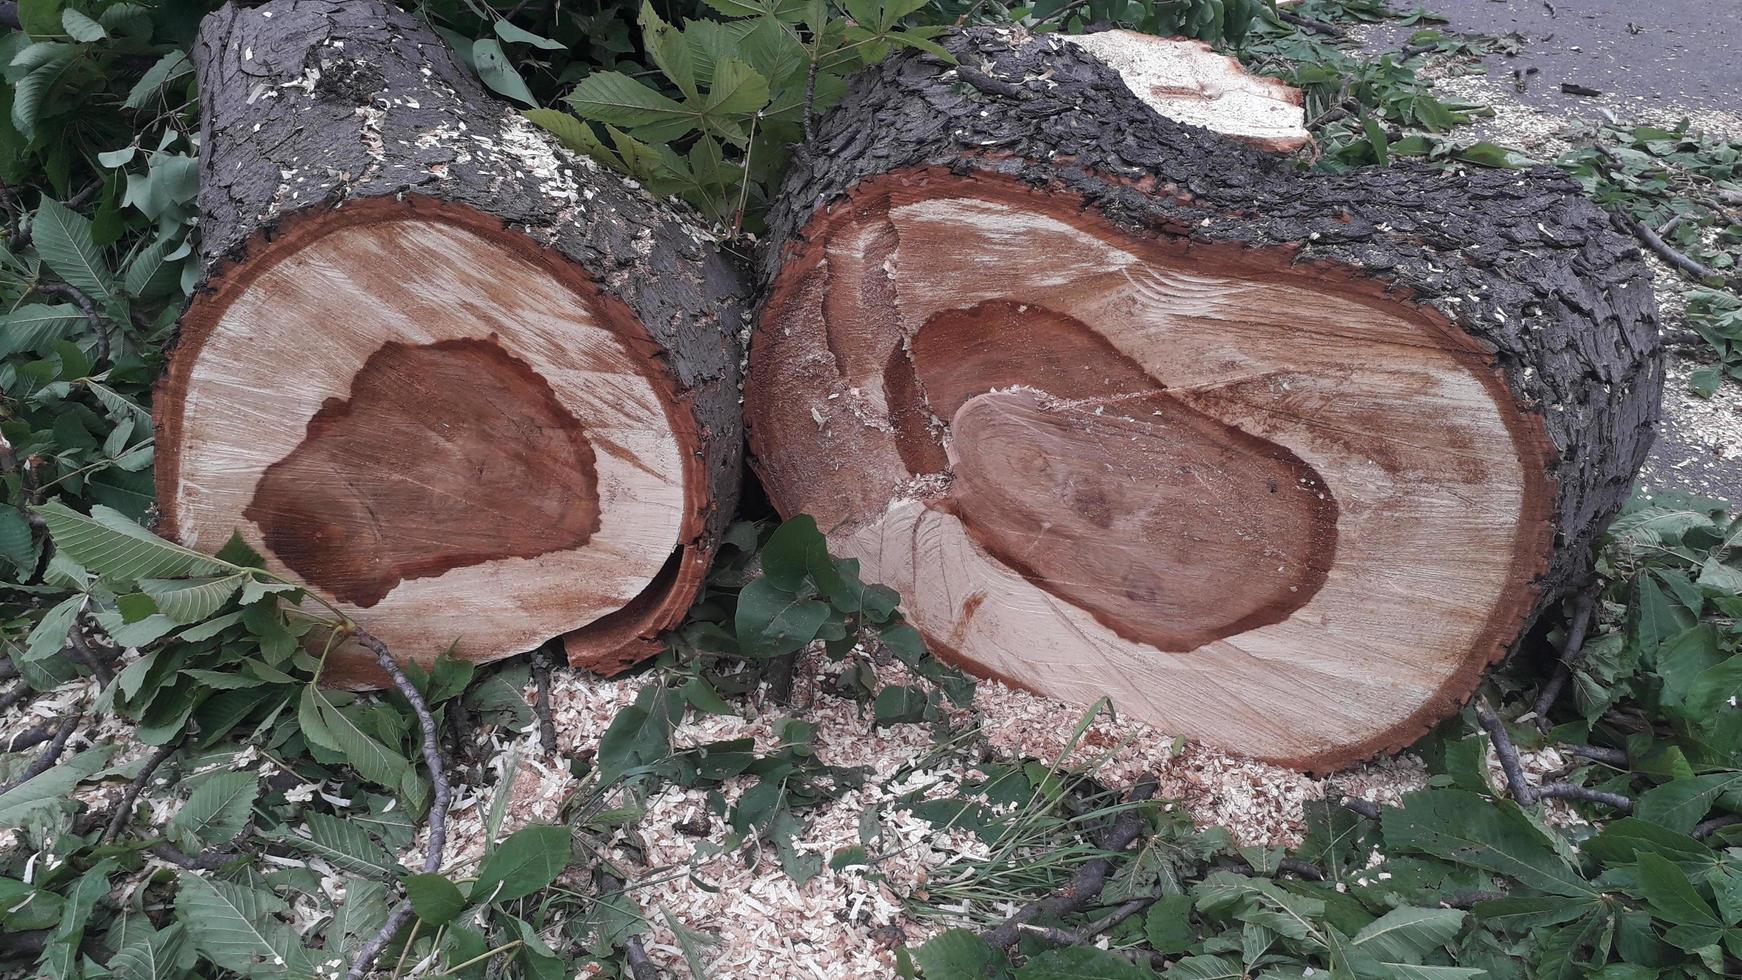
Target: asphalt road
column 1684, row 54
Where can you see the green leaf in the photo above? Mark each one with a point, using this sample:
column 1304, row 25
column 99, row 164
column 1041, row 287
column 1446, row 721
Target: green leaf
column 1167, row 925
column 36, row 326
column 238, row 927
column 1408, row 934
column 1621, row 841
column 1672, row 895
column 190, row 600
column 956, row 954
column 528, row 860
column 372, row 760
column 1464, row 828
column 60, row 954
column 615, row 98
column 738, row 90
column 571, row 132
column 35, row 89
column 18, row 804
column 80, row 27
column 791, row 551
column 16, row 543
column 167, row 69
column 1081, row 963
column 498, row 72
column 216, row 812
column 1206, row 968
column 436, row 899
column 63, row 239
column 771, row 622
column 344, row 844
column 108, row 543
column 516, row 35
column 1681, row 804
column 669, row 49
column 150, row 955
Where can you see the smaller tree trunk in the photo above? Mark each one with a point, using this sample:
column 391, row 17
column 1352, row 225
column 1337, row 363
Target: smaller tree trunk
column 471, row 388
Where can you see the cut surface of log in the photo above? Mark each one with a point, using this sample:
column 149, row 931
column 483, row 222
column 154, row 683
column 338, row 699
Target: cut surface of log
column 1279, row 461
column 468, row 387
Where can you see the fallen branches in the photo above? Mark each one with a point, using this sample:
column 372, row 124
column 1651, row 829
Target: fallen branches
column 124, row 809
column 541, row 679
column 1309, row 25
column 1087, row 882
column 1521, row 790
column 1577, row 627
column 1666, row 251
column 438, row 810
column 86, row 306
column 1086, row 935
column 51, row 755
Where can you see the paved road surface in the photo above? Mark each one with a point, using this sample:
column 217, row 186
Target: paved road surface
column 1669, row 53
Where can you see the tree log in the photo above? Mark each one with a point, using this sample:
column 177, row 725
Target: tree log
column 1277, row 460
column 470, row 387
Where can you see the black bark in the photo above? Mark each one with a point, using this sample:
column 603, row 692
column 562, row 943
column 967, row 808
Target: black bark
column 1517, row 258
column 308, row 104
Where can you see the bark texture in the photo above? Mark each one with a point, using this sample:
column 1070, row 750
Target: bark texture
column 312, row 108
column 1556, row 295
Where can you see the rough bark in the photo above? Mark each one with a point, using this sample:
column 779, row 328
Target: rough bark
column 1524, row 282
column 319, row 116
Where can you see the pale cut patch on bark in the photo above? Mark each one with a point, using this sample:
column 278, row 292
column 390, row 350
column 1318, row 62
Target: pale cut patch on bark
column 1277, row 513
column 1189, row 82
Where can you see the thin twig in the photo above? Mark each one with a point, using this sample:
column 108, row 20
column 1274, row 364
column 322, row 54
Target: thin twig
column 438, row 812
column 1707, row 828
column 30, row 738
column 1310, row 25
column 640, row 967
column 1087, row 883
column 541, row 680
column 98, row 664
column 124, row 811
column 1086, row 935
column 1666, row 251
column 50, row 755
column 86, row 306
column 1300, row 869
column 192, row 862
column 1574, row 651
column 810, row 100
column 1364, row 808
column 1598, row 753
column 15, row 695
column 1524, row 793
column 1507, row 752
column 1470, row 899
column 1567, row 791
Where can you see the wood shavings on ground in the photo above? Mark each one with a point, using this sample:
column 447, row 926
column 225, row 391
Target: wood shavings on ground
column 843, row 923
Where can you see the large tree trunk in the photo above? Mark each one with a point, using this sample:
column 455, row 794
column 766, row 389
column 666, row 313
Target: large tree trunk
column 1276, row 460
column 468, row 386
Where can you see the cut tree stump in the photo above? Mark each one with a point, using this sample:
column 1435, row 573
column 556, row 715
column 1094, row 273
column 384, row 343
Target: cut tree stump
column 1275, row 460
column 466, row 385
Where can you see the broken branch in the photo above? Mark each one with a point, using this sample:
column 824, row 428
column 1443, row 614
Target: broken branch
column 1089, row 879
column 438, row 811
